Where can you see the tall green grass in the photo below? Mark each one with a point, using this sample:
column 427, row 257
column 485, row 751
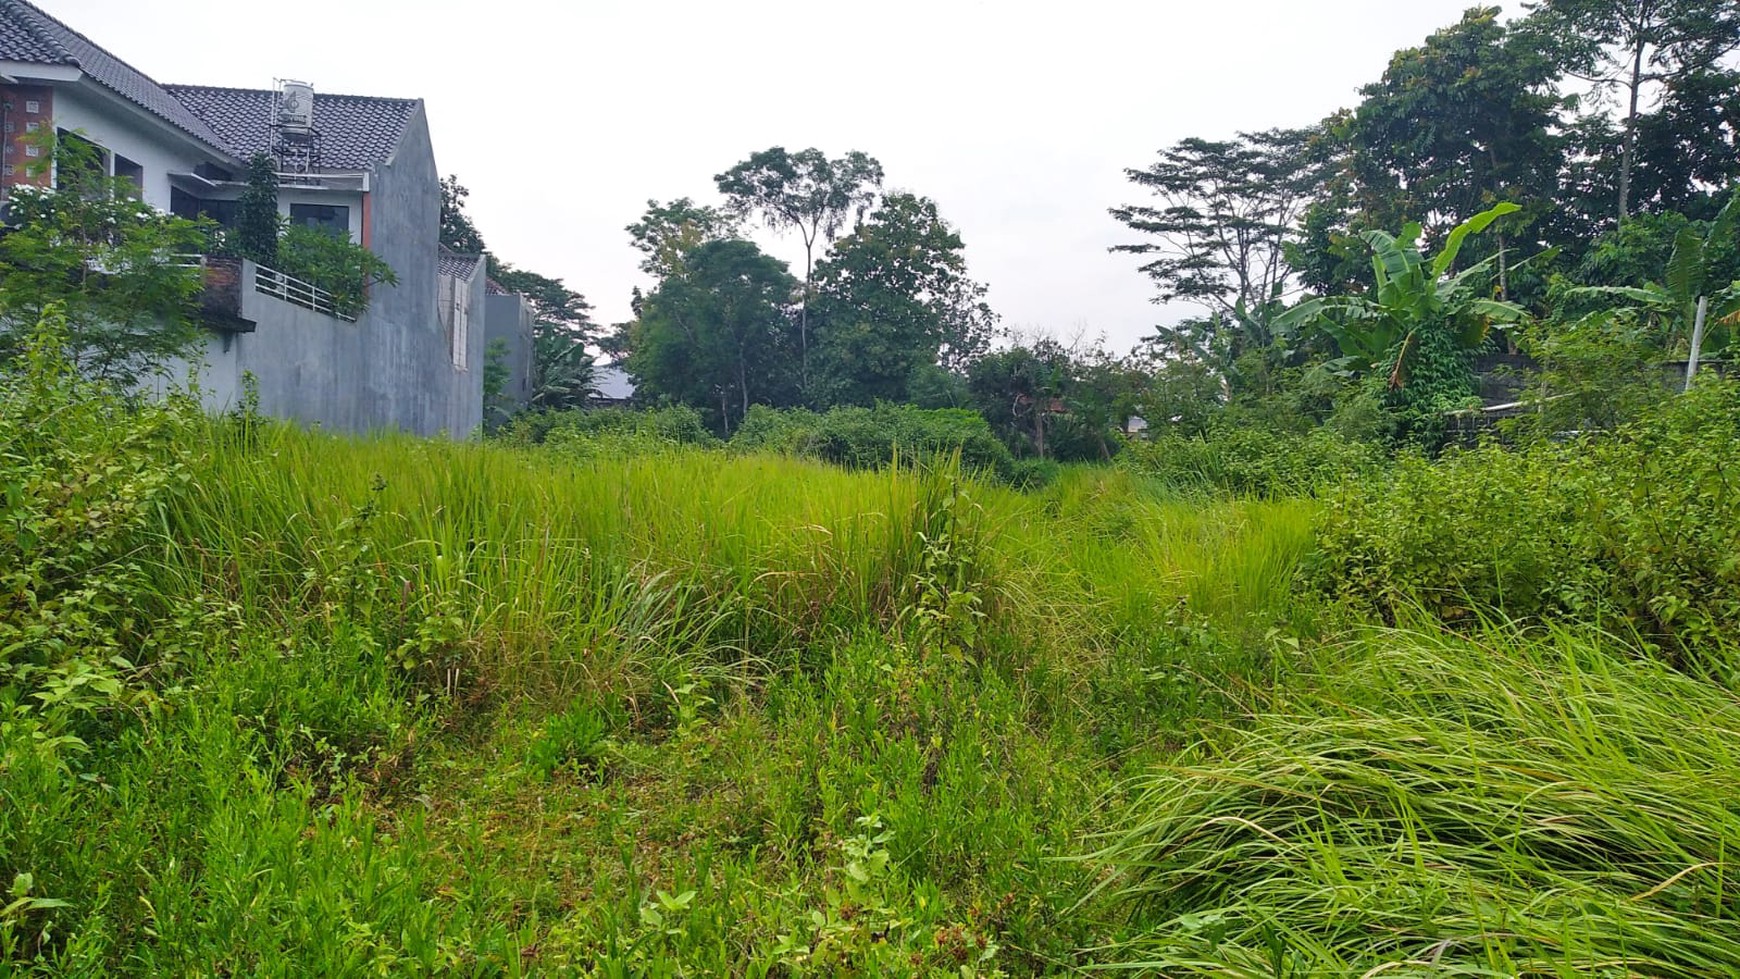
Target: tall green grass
column 1499, row 804
column 391, row 705
column 556, row 565
column 386, row 705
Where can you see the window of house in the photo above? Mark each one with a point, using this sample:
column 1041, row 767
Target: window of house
column 185, row 205
column 32, row 106
column 331, row 217
column 453, row 305
column 79, row 163
column 133, row 172
column 461, row 329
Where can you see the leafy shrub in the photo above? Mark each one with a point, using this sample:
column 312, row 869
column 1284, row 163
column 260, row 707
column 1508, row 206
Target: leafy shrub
column 1032, row 474
column 333, row 262
column 92, row 256
column 1643, row 525
column 676, row 425
column 325, row 258
column 867, row 438
column 83, row 477
column 1254, row 462
column 1597, row 372
column 790, row 431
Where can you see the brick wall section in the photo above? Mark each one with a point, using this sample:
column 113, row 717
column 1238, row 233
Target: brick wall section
column 16, row 120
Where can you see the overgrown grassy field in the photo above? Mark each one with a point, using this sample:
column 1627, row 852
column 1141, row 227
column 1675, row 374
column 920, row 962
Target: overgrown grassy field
column 279, row 703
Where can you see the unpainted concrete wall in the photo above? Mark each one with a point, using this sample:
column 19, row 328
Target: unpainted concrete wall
column 509, row 319
column 411, row 382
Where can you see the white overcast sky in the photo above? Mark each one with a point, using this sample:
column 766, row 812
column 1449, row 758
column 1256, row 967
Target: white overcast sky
column 1017, row 117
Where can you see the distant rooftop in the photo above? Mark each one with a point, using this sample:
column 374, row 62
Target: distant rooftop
column 612, row 383
column 457, row 265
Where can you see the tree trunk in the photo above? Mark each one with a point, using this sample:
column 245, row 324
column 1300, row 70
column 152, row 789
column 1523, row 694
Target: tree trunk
column 1628, row 152
column 1503, row 272
column 743, row 386
column 804, row 327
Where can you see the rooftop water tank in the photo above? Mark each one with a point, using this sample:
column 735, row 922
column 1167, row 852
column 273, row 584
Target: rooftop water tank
column 296, row 107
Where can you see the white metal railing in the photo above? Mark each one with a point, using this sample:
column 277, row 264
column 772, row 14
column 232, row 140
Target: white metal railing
column 271, row 282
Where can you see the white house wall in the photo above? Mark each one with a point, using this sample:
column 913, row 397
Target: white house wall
column 119, row 131
column 295, row 195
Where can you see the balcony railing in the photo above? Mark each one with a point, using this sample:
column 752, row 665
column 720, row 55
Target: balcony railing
column 272, row 282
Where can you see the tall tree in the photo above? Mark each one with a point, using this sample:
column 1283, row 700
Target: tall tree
column 1630, row 46
column 717, row 335
column 1469, row 119
column 1226, row 211
column 1020, row 391
column 1687, row 151
column 808, row 193
column 1465, row 121
column 562, row 335
column 891, row 299
column 668, row 231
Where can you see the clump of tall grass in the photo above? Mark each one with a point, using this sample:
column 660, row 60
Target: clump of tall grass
column 870, row 438
column 528, row 570
column 674, row 425
column 1493, row 805
column 1254, row 461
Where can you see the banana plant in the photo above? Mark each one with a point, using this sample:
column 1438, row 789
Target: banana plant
column 1673, row 303
column 1382, row 329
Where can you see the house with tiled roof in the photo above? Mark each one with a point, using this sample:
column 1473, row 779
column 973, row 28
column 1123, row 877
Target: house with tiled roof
column 359, row 166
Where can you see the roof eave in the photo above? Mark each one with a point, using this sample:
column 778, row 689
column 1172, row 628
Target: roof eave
column 215, row 154
column 32, row 71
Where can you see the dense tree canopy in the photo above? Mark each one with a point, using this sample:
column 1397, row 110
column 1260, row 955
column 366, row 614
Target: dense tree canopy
column 891, row 299
column 718, row 335
column 1630, row 47
column 667, row 231
column 808, row 193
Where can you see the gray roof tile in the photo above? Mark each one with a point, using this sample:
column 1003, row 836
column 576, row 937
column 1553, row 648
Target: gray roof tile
column 458, row 266
column 357, row 132
column 29, row 34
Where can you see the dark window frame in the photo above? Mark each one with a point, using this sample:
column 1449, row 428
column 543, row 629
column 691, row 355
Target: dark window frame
column 334, row 218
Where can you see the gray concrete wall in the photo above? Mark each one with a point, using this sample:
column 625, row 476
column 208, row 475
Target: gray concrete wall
column 305, row 365
column 393, row 368
column 509, row 319
column 410, row 379
column 312, row 368
column 465, row 387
